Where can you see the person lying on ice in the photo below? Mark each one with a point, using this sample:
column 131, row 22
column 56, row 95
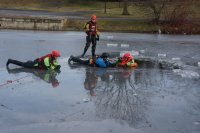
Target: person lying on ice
column 126, row 61
column 47, row 62
column 98, row 61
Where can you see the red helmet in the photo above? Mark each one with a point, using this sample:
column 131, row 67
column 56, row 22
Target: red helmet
column 55, row 53
column 127, row 56
column 93, row 17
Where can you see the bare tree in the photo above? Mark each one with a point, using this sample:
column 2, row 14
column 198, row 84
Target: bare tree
column 125, row 8
column 120, row 98
column 156, row 7
column 105, row 6
column 173, row 11
column 176, row 12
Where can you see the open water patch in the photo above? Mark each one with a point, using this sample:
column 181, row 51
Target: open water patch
column 161, row 62
column 177, row 66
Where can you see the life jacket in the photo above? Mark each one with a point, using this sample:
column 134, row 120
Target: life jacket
column 41, row 62
column 92, row 61
column 92, row 29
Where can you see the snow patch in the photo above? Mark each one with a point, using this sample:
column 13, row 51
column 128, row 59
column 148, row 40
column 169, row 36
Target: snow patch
column 198, row 64
column 161, row 55
column 110, row 37
column 142, row 51
column 125, row 45
column 176, row 59
column 186, row 73
column 112, row 45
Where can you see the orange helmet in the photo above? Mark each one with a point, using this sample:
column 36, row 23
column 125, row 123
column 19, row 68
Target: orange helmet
column 127, row 56
column 55, row 53
column 93, row 17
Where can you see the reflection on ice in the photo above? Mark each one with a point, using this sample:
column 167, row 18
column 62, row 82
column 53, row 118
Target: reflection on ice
column 125, row 95
column 48, row 76
column 119, row 97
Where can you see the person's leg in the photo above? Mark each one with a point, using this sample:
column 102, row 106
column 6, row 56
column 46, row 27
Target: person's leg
column 28, row 64
column 18, row 63
column 94, row 42
column 78, row 60
column 87, row 45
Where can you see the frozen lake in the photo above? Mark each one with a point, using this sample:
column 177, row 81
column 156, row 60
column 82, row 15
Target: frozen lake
column 81, row 99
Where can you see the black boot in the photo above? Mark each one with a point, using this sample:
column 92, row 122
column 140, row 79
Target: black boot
column 8, row 62
column 85, row 50
column 78, row 60
column 70, row 59
column 83, row 55
column 14, row 62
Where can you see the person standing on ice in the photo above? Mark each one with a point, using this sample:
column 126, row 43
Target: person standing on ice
column 47, row 62
column 92, row 32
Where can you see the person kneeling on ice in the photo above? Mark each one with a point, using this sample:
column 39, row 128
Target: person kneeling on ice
column 98, row 61
column 126, row 61
column 47, row 62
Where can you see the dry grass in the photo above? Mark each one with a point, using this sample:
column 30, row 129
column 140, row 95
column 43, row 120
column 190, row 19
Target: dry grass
column 113, row 10
column 109, row 25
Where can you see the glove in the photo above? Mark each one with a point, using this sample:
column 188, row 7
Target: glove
column 58, row 67
column 119, row 59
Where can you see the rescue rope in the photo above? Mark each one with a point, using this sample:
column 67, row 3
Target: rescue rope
column 12, row 81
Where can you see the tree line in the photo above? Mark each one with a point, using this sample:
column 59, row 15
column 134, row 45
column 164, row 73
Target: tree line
column 169, row 11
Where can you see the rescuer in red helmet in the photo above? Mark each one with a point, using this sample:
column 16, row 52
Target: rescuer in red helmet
column 48, row 62
column 92, row 32
column 126, row 61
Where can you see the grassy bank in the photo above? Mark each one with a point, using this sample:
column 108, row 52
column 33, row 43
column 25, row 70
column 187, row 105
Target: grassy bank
column 113, row 26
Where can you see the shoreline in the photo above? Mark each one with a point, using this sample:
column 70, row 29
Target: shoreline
column 58, row 23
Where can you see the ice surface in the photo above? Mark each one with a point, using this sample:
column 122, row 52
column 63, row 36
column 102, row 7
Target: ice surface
column 186, row 73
